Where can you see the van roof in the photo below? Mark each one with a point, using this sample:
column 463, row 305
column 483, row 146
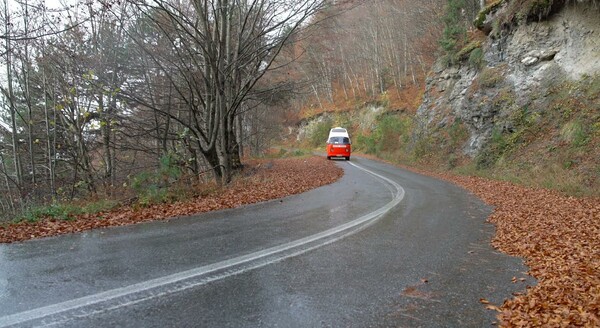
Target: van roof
column 338, row 132
column 338, row 129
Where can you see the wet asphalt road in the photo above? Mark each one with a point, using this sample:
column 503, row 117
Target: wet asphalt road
column 325, row 258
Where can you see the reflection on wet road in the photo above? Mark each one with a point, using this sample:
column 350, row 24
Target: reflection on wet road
column 338, row 255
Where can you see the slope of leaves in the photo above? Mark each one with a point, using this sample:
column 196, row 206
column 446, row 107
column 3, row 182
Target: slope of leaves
column 261, row 181
column 559, row 238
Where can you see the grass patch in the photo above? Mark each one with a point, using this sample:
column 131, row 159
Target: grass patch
column 287, row 153
column 65, row 211
column 54, row 211
column 575, row 133
column 100, row 206
column 554, row 144
column 504, row 98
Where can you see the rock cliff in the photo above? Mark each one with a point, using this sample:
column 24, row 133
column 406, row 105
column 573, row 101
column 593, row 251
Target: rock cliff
column 521, row 65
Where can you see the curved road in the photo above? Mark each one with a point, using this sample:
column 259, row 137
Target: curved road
column 381, row 247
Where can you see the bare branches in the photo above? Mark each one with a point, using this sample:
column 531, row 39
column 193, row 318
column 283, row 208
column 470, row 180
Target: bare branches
column 368, row 49
column 95, row 84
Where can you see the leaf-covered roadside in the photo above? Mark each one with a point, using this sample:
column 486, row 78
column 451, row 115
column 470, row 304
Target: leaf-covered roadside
column 559, row 237
column 261, row 181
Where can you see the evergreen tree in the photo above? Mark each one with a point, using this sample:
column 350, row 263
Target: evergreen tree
column 455, row 32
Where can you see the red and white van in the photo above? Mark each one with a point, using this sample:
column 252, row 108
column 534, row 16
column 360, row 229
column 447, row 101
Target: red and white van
column 338, row 144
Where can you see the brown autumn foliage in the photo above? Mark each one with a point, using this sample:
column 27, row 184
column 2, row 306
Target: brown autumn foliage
column 406, row 99
column 559, row 238
column 261, row 180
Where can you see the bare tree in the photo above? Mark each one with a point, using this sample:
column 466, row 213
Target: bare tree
column 222, row 49
column 368, row 50
column 10, row 96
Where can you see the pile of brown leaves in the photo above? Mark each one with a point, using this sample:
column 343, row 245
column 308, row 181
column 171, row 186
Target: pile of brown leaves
column 269, row 180
column 559, row 237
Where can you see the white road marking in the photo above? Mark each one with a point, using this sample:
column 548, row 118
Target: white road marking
column 244, row 263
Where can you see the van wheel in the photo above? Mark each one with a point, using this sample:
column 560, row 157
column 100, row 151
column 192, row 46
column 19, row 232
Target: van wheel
column 329, row 157
column 347, row 158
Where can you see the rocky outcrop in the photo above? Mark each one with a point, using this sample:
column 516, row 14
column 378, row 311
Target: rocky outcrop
column 520, row 68
column 363, row 120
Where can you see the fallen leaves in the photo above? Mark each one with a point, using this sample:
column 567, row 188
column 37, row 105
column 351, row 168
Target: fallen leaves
column 559, row 237
column 493, row 308
column 267, row 180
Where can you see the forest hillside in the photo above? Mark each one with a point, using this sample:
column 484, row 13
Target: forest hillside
column 513, row 94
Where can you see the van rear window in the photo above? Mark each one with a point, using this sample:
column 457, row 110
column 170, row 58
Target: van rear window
column 339, row 140
column 338, row 130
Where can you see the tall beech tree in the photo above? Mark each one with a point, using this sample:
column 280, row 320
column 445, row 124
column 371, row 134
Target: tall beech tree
column 220, row 49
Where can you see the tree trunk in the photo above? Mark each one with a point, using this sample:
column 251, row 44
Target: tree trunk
column 11, row 101
column 49, row 149
column 239, row 136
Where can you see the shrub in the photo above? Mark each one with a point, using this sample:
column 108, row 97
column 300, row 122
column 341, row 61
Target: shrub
column 366, row 144
column 320, row 133
column 389, row 132
column 458, row 134
column 493, row 151
column 466, row 52
column 152, row 187
column 490, row 77
column 423, row 147
column 476, row 58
